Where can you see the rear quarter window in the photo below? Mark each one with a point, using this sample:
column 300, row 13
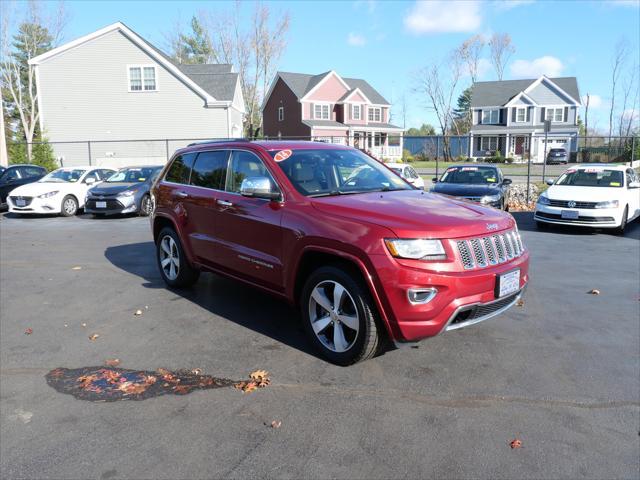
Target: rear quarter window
column 180, row 168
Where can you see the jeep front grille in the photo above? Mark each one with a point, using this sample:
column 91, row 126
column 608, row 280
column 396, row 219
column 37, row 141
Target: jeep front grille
column 494, row 249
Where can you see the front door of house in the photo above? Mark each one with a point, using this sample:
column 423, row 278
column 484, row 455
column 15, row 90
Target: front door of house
column 519, row 145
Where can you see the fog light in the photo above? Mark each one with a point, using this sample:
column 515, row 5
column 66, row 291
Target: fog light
column 421, row 296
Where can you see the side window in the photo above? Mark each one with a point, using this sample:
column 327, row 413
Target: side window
column 180, row 168
column 413, row 173
column 630, row 176
column 12, row 174
column 93, row 174
column 245, row 165
column 210, row 169
column 28, row 172
column 104, row 174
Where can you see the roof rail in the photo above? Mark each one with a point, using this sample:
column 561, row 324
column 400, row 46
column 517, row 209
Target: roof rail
column 219, row 141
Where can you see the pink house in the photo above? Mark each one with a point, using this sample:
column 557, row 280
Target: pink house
column 331, row 108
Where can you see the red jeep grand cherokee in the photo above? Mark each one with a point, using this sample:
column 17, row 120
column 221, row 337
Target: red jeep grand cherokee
column 361, row 252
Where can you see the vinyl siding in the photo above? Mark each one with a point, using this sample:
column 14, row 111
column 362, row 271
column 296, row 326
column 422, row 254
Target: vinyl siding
column 85, row 96
column 544, row 94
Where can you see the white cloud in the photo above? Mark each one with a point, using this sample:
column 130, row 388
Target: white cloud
column 595, row 101
column 438, row 16
column 356, row 40
column 509, row 4
column 547, row 65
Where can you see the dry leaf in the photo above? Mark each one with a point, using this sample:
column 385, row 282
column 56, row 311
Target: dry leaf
column 28, row 331
column 246, row 387
column 515, row 443
column 594, row 292
column 520, row 303
column 276, row 424
column 93, row 337
column 112, row 362
column 138, row 312
column 76, row 268
column 197, row 371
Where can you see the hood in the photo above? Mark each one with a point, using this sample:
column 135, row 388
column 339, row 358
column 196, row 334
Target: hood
column 466, row 189
column 114, row 188
column 584, row 194
column 38, row 188
column 417, row 214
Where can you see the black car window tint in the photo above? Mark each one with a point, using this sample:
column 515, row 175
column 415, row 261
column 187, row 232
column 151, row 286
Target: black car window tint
column 31, row 172
column 245, row 165
column 12, row 174
column 210, row 169
column 180, row 168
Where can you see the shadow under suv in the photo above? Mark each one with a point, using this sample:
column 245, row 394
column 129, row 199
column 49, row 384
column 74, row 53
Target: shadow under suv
column 363, row 254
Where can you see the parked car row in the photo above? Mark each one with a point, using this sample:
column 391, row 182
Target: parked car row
column 98, row 190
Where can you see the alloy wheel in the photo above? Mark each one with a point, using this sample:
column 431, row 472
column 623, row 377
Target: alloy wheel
column 333, row 316
column 146, row 205
column 169, row 257
column 69, row 206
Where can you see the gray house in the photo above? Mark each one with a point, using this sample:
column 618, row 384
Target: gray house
column 509, row 116
column 112, row 85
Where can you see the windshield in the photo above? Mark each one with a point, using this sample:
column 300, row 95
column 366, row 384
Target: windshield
column 470, row 175
column 322, row 172
column 60, row 176
column 591, row 177
column 133, row 175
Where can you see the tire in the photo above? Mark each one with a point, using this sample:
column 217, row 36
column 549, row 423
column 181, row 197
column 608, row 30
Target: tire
column 623, row 223
column 185, row 275
column 144, row 210
column 69, row 206
column 355, row 304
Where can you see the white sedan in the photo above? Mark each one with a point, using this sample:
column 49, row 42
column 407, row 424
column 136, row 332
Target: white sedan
column 596, row 195
column 408, row 173
column 62, row 191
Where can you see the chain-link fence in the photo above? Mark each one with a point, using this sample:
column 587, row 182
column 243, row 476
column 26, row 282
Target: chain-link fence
column 523, row 157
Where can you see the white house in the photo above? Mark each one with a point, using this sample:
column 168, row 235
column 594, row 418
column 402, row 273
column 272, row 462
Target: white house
column 115, row 89
column 509, row 116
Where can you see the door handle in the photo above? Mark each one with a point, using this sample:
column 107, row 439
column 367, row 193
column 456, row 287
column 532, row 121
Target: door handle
column 182, row 194
column 224, row 203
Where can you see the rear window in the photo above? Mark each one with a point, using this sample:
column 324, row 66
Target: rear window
column 180, row 168
column 592, row 177
column 210, row 169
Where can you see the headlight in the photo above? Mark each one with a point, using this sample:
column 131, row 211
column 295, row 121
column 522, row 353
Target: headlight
column 48, row 194
column 127, row 193
column 543, row 200
column 608, row 204
column 490, row 198
column 417, row 249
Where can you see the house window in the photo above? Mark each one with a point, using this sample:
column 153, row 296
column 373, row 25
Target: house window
column 280, row 114
column 521, row 114
column 555, row 114
column 142, row 78
column 489, row 143
column 375, row 115
column 491, row 117
column 321, row 111
column 356, row 112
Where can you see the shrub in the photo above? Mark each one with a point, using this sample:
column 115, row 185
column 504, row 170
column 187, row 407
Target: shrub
column 41, row 154
column 407, row 156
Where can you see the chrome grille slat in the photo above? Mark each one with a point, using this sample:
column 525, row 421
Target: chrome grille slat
column 481, row 252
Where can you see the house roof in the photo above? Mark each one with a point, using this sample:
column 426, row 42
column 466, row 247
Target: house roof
column 301, row 83
column 215, row 83
column 497, row 93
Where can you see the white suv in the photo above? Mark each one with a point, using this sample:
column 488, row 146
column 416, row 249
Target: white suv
column 596, row 195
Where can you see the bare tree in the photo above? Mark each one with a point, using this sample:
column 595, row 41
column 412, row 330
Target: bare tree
column 438, row 84
column 34, row 34
column 630, row 91
column 501, row 51
column 470, row 52
column 617, row 65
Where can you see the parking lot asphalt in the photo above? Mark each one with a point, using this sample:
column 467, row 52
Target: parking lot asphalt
column 561, row 373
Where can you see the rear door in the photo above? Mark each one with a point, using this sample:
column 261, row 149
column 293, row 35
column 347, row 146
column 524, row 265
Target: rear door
column 206, row 184
column 632, row 194
column 248, row 229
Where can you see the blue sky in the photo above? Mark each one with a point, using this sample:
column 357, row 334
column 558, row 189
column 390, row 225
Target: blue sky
column 387, row 42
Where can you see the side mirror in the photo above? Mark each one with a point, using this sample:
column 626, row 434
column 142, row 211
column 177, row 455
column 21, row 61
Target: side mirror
column 90, row 181
column 634, row 185
column 434, row 180
column 258, row 187
column 507, row 181
column 549, row 181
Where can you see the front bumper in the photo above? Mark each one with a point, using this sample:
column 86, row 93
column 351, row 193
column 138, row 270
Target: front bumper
column 36, row 206
column 114, row 205
column 463, row 297
column 587, row 217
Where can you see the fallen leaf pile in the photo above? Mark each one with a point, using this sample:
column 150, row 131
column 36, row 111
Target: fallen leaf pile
column 257, row 379
column 515, row 443
column 522, row 206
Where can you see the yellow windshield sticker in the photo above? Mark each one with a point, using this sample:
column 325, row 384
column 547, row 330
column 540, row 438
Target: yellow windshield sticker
column 491, row 180
column 615, row 184
column 141, row 179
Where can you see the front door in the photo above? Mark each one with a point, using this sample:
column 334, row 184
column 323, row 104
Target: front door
column 519, row 145
column 248, row 229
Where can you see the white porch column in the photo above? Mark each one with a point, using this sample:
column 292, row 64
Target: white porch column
column 507, row 147
column 471, row 145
